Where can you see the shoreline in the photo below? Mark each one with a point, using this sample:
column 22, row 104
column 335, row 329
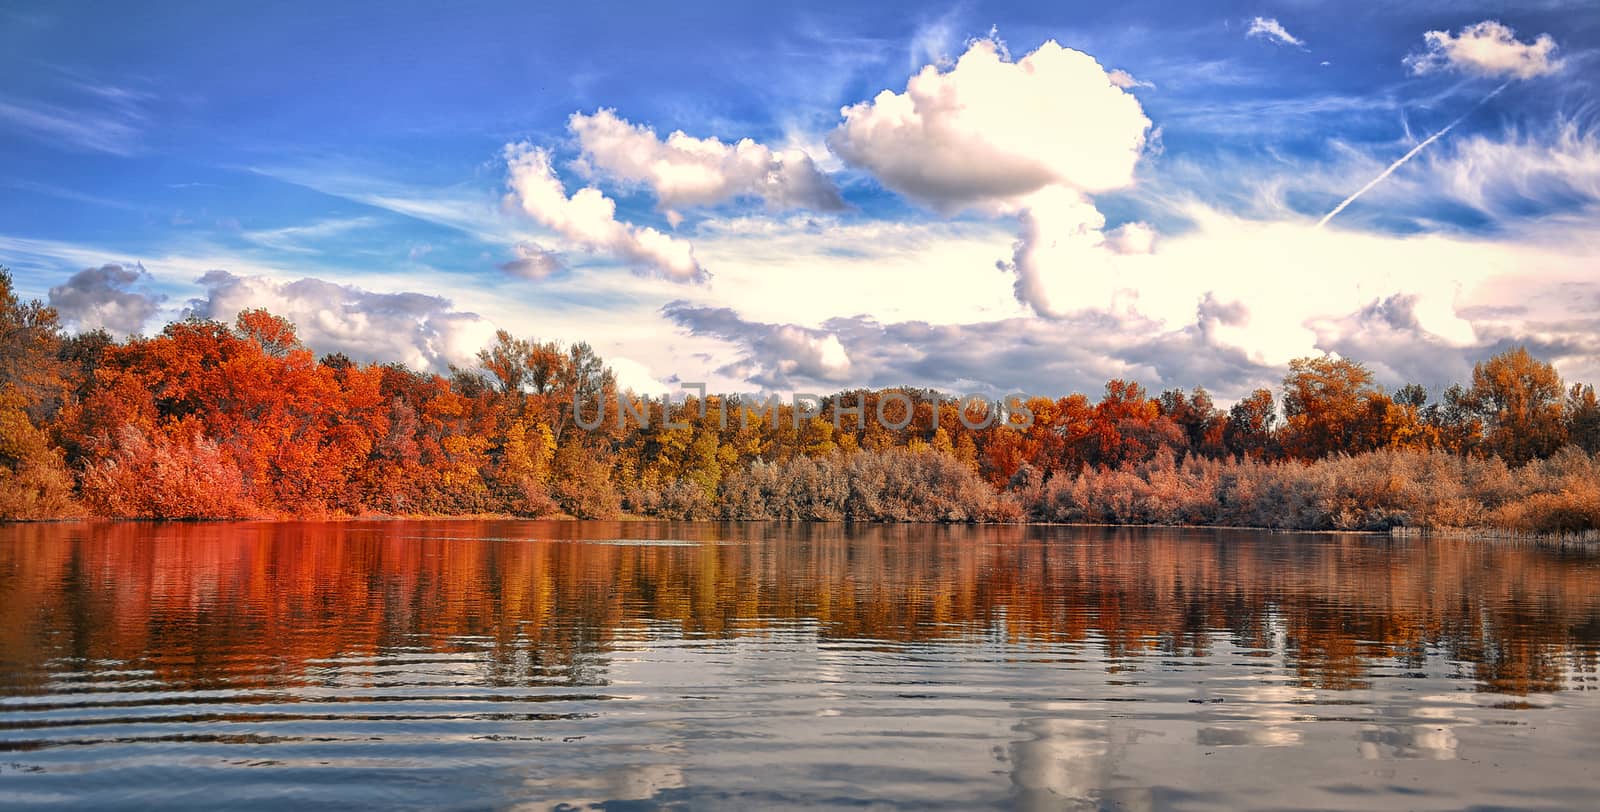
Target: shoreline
column 1398, row 532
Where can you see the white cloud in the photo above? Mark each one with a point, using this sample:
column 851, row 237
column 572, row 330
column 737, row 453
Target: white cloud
column 1126, row 80
column 635, row 377
column 1035, row 137
column 1519, row 174
column 932, row 41
column 298, row 239
column 533, row 262
column 588, row 218
column 805, row 268
column 421, row 331
column 772, row 356
column 1058, row 255
column 1131, row 238
column 88, row 116
column 685, row 171
column 814, row 145
column 1487, row 48
column 990, row 131
column 822, row 357
column 1269, row 28
column 469, row 210
column 1226, row 303
column 105, row 298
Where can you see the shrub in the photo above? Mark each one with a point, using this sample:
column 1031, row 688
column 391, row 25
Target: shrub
column 163, row 476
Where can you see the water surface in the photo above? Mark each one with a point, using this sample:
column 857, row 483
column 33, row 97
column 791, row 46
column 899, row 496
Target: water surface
column 464, row 664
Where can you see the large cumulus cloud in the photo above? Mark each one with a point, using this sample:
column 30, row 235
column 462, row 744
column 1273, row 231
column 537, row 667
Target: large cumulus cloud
column 1037, row 136
column 685, row 171
column 992, row 131
column 772, row 356
column 1005, row 355
column 1225, row 304
column 421, row 331
column 106, row 298
column 589, row 219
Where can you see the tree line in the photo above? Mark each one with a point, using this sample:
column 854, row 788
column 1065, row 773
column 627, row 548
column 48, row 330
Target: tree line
column 214, row 420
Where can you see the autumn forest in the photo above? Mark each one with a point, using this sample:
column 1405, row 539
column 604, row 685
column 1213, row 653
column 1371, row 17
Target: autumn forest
column 212, row 420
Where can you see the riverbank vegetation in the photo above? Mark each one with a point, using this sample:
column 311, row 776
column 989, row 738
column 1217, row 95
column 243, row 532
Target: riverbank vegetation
column 212, row 420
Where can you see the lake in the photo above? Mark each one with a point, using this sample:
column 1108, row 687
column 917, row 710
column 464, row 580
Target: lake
column 506, row 664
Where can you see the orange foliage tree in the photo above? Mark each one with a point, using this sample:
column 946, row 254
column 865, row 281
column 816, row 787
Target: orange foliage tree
column 206, row 419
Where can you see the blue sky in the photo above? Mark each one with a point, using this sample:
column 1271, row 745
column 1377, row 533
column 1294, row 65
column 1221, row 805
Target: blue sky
column 348, row 165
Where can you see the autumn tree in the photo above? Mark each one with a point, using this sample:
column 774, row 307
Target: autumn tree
column 1387, row 423
column 1325, row 401
column 34, row 482
column 176, row 474
column 1127, row 426
column 509, row 362
column 1250, row 429
column 1520, row 399
column 1453, row 421
column 30, row 340
column 213, row 419
column 275, row 335
column 1583, row 418
column 1202, row 423
column 1413, row 395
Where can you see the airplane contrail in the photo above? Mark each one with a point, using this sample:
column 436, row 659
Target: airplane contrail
column 1408, row 156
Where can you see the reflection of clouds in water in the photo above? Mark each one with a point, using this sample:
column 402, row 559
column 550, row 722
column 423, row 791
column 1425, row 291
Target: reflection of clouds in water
column 640, row 782
column 1433, row 736
column 1431, row 741
column 1059, row 762
column 1239, row 736
column 1258, row 715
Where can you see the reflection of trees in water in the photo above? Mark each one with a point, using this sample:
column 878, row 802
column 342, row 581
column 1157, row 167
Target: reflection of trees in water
column 219, row 603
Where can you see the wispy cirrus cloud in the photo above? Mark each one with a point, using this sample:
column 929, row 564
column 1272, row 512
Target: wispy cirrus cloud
column 465, row 208
column 1128, row 81
column 84, row 113
column 303, row 239
column 114, row 131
